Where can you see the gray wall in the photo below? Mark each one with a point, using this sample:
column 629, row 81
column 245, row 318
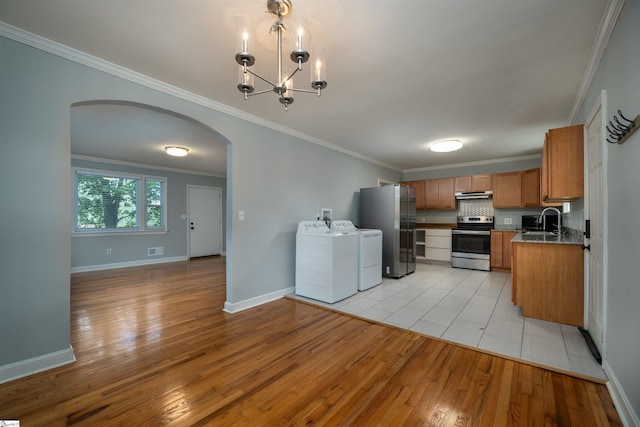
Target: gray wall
column 619, row 74
column 92, row 250
column 276, row 179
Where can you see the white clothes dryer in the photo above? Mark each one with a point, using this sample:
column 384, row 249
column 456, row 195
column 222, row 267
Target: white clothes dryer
column 369, row 253
column 326, row 262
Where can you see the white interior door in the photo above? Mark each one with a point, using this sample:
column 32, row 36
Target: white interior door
column 595, row 211
column 205, row 221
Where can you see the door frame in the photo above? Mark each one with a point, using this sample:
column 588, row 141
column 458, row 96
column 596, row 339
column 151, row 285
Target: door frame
column 600, row 106
column 222, row 236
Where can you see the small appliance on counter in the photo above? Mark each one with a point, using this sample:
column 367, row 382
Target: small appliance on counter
column 531, row 223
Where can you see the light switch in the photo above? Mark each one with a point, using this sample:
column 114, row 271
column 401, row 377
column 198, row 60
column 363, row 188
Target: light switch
column 241, row 215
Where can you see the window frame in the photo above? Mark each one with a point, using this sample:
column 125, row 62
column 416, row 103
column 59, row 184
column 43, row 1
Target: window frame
column 141, row 204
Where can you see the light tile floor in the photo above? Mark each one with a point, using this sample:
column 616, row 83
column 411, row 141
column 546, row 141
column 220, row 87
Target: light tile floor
column 472, row 308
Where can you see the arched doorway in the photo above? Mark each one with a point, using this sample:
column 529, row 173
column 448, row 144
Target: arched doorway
column 130, row 138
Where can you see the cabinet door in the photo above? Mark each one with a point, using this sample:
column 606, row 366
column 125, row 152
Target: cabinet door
column 481, row 183
column 463, row 183
column 421, row 202
column 531, row 188
column 431, row 194
column 565, row 163
column 420, row 196
column 507, row 190
column 544, row 173
column 446, row 195
column 506, row 248
column 496, row 249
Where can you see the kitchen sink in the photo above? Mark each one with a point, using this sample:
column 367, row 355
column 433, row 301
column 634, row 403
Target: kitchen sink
column 539, row 233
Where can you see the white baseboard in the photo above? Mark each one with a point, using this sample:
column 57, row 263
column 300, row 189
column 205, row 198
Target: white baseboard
column 127, row 264
column 24, row 368
column 253, row 302
column 625, row 409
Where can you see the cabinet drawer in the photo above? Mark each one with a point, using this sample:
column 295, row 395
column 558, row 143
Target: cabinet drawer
column 438, row 254
column 437, row 232
column 441, row 242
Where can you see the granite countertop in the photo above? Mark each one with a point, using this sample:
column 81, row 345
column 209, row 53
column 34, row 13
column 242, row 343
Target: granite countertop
column 564, row 239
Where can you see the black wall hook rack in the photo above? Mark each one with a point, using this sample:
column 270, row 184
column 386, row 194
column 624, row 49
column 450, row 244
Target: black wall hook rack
column 619, row 132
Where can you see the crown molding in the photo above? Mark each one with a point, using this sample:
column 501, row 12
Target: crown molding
column 478, row 163
column 607, row 25
column 143, row 165
column 63, row 51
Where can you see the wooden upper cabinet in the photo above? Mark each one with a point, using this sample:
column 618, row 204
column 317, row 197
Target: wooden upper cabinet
column 446, row 194
column 473, row 183
column 462, row 183
column 431, row 194
column 420, row 193
column 481, row 182
column 507, row 190
column 563, row 164
column 439, row 194
column 531, row 188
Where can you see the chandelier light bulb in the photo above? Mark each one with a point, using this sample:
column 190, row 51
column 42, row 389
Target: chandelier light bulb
column 283, row 85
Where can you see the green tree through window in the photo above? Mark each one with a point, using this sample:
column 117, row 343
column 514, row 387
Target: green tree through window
column 111, row 202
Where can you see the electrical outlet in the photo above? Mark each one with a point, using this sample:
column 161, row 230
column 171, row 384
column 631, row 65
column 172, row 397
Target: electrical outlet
column 241, row 215
column 508, row 221
column 108, row 251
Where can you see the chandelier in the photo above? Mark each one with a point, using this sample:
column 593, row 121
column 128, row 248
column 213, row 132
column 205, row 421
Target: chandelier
column 283, row 86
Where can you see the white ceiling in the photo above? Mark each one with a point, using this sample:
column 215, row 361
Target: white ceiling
column 495, row 74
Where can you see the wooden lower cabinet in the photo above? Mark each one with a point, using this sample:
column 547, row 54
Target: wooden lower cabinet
column 548, row 281
column 501, row 250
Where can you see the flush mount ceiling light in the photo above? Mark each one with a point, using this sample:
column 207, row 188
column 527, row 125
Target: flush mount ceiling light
column 176, row 151
column 283, row 86
column 446, row 146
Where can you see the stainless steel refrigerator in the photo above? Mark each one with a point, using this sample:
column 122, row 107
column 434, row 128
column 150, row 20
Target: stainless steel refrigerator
column 392, row 209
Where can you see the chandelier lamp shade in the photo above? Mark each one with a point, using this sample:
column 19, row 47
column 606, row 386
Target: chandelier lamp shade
column 283, row 86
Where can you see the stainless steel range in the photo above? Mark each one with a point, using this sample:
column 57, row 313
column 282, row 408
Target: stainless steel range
column 471, row 243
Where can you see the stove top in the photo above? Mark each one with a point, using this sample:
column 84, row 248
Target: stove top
column 475, row 223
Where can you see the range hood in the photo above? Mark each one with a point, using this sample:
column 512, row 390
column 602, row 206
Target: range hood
column 465, row 195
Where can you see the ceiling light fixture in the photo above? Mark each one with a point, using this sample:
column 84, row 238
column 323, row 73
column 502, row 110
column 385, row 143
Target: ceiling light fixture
column 283, row 87
column 176, row 151
column 446, row 146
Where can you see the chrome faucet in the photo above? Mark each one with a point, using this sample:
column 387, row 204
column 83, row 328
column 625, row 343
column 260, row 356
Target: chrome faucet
column 544, row 219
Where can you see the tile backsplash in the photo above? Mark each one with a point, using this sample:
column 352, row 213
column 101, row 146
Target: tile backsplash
column 475, row 207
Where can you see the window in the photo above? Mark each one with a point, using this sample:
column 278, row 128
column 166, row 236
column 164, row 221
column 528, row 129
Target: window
column 116, row 202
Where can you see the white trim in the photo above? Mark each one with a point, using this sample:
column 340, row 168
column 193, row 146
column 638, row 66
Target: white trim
column 126, row 264
column 600, row 106
column 605, row 29
column 478, row 163
column 39, row 42
column 143, row 165
column 27, row 367
column 236, row 307
column 620, row 400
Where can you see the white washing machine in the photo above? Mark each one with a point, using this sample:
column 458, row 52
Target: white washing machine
column 369, row 253
column 326, row 262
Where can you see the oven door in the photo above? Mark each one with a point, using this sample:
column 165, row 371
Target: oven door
column 471, row 249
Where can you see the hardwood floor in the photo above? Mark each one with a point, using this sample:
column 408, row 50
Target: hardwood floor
column 155, row 348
